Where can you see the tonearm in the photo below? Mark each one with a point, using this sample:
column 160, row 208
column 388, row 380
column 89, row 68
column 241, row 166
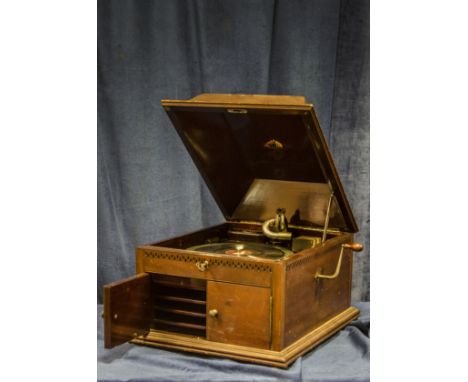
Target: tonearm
column 277, row 228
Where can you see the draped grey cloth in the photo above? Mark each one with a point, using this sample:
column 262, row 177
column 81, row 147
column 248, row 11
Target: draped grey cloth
column 342, row 358
column 148, row 187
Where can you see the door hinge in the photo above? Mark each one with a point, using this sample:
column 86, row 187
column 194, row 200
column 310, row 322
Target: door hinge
column 271, row 320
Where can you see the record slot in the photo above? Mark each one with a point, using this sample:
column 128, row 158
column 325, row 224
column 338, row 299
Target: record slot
column 179, row 305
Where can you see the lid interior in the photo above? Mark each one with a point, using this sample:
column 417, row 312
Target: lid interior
column 257, row 158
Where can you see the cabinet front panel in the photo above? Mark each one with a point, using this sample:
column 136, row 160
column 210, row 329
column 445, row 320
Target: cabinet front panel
column 186, row 264
column 238, row 314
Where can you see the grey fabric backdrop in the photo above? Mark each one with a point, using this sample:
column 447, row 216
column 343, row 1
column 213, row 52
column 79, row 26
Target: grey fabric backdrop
column 148, row 187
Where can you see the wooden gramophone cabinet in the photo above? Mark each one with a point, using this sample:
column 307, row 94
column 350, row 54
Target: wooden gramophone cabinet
column 257, row 153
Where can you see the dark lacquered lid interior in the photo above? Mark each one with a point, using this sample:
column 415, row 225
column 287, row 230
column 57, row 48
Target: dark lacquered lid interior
column 260, row 153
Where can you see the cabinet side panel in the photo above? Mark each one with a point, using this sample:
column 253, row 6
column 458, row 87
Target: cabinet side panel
column 310, row 301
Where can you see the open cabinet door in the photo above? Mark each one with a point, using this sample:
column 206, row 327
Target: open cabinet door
column 127, row 309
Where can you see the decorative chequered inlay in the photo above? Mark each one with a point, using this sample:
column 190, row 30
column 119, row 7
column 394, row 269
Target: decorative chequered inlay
column 299, row 262
column 213, row 262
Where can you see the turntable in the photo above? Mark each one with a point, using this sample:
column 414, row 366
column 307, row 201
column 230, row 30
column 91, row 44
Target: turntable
column 274, row 280
column 238, row 248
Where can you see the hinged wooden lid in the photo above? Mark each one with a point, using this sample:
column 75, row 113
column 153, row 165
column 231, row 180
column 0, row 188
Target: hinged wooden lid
column 261, row 152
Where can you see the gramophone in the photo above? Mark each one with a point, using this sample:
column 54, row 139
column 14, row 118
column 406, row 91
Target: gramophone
column 272, row 281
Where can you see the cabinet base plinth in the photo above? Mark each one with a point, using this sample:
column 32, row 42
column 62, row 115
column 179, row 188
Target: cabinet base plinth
column 281, row 358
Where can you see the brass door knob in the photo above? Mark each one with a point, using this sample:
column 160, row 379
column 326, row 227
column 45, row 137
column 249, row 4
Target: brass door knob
column 213, row 313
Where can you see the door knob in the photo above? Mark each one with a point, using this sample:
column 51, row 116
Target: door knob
column 213, row 313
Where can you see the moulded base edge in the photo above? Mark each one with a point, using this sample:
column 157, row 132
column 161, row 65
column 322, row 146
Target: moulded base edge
column 280, row 359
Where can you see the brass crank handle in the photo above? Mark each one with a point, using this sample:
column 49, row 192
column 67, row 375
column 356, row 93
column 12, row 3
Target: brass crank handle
column 356, row 247
column 202, row 265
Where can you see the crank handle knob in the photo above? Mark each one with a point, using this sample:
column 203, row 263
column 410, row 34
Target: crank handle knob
column 356, row 247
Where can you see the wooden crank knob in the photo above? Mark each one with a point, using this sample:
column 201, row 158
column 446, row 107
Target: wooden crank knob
column 356, row 247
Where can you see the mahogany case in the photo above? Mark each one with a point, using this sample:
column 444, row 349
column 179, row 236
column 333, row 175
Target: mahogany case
column 257, row 153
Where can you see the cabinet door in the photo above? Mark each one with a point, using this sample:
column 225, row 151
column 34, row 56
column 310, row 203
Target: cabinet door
column 127, row 309
column 238, row 314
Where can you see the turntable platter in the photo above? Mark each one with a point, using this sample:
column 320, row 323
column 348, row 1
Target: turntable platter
column 258, row 250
